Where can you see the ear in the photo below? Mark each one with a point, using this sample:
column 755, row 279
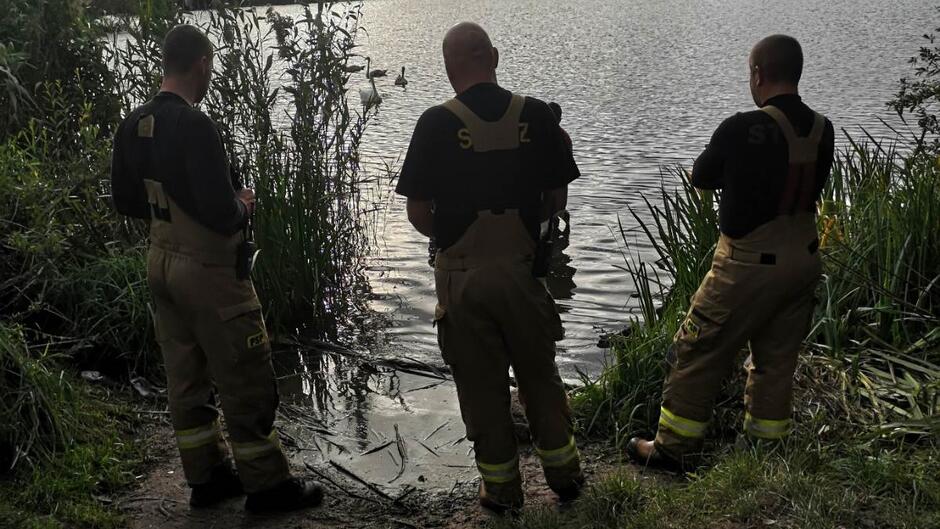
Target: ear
column 758, row 76
column 495, row 58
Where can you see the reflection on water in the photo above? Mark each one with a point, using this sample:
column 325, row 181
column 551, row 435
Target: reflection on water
column 395, row 428
column 643, row 83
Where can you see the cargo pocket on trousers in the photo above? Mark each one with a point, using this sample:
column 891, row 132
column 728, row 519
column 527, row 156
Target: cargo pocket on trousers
column 243, row 327
column 699, row 330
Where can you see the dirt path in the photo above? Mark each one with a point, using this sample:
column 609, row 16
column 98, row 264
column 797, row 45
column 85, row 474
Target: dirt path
column 161, row 499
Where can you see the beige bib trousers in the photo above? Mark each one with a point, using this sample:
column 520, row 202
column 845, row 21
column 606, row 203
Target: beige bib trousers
column 210, row 330
column 492, row 314
column 760, row 290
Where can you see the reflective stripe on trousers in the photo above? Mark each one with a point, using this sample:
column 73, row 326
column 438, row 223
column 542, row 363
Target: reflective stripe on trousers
column 255, row 449
column 766, row 428
column 681, row 425
column 499, row 473
column 206, row 434
column 559, row 457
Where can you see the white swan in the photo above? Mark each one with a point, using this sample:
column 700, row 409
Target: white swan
column 401, row 81
column 370, row 96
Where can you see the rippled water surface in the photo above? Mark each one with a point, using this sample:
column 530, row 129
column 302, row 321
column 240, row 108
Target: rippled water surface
column 643, row 83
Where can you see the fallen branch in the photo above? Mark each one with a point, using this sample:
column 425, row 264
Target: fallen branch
column 337, row 485
column 368, row 485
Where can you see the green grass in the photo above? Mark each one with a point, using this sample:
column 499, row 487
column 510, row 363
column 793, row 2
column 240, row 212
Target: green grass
column 865, row 453
column 796, row 485
column 68, row 446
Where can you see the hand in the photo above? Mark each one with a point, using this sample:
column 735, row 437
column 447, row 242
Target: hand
column 247, row 196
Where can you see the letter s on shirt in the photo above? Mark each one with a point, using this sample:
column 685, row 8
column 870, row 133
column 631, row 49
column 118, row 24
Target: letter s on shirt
column 466, row 141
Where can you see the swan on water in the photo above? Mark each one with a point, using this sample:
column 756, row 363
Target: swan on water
column 370, row 95
column 370, row 73
column 401, row 81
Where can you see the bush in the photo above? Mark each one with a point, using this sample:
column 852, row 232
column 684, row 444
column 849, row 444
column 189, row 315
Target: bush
column 68, row 269
column 48, row 41
column 37, row 410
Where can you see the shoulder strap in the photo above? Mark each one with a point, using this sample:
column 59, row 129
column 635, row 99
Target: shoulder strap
column 819, row 126
column 462, row 112
column 500, row 135
column 785, row 126
column 802, row 149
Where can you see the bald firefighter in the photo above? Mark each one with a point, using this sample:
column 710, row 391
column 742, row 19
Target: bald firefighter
column 771, row 166
column 482, row 171
column 169, row 166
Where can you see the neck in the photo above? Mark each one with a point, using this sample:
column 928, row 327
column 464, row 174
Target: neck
column 175, row 86
column 470, row 81
column 778, row 90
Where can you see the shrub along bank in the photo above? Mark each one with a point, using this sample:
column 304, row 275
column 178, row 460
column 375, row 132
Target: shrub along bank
column 73, row 292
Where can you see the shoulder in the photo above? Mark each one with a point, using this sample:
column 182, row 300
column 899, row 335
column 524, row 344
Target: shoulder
column 436, row 119
column 537, row 110
column 195, row 118
column 738, row 124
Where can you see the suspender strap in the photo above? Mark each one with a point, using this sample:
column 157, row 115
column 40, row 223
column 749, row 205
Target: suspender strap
column 803, row 149
column 501, row 135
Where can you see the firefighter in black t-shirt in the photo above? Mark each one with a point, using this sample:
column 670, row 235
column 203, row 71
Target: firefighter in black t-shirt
column 169, row 166
column 482, row 171
column 771, row 166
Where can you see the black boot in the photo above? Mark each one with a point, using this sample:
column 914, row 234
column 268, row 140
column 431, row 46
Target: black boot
column 289, row 495
column 223, row 485
column 572, row 491
column 656, row 459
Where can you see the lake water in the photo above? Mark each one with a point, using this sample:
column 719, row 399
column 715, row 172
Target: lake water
column 643, row 83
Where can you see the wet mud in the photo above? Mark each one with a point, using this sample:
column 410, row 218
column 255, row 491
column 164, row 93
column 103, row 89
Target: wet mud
column 384, row 436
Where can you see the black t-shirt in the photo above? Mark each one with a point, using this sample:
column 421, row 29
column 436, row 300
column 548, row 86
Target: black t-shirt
column 461, row 182
column 187, row 156
column 748, row 159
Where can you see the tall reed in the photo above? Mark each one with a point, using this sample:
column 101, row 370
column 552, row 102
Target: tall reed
column 876, row 332
column 279, row 96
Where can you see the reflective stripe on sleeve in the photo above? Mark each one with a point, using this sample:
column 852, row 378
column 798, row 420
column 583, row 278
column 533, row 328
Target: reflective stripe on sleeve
column 501, row 473
column 560, row 456
column 766, row 428
column 255, row 449
column 199, row 436
column 681, row 425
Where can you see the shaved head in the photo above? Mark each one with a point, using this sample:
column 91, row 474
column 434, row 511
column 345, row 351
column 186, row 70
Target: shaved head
column 779, row 59
column 469, row 56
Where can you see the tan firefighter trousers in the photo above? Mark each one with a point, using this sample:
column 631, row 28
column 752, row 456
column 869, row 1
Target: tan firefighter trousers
column 210, row 330
column 492, row 314
column 760, row 289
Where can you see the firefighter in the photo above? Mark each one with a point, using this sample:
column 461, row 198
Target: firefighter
column 169, row 166
column 771, row 166
column 482, row 171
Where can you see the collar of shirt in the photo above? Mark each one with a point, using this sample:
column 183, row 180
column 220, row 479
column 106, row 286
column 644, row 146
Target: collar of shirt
column 170, row 95
column 783, row 99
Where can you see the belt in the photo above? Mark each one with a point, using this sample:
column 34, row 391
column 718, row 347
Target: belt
column 762, row 257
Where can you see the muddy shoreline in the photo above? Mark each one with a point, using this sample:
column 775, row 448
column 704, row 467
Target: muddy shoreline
column 383, row 465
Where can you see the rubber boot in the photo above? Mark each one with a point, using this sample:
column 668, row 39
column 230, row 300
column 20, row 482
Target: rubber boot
column 223, row 485
column 570, row 492
column 502, row 498
column 290, row 495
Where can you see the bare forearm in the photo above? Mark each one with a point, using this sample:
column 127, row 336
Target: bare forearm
column 421, row 216
column 554, row 201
